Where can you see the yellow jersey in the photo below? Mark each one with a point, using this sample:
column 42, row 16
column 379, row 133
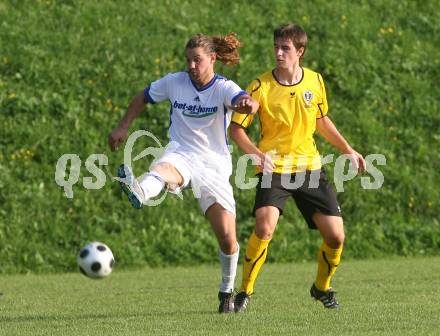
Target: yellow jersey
column 288, row 116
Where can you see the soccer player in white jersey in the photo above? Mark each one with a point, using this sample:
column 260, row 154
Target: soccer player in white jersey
column 201, row 106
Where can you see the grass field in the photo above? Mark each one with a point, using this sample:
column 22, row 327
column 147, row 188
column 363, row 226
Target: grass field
column 379, row 297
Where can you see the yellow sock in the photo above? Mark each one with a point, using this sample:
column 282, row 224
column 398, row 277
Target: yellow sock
column 328, row 260
column 256, row 252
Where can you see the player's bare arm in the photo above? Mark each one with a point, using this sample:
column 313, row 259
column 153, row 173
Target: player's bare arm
column 118, row 135
column 327, row 129
column 239, row 135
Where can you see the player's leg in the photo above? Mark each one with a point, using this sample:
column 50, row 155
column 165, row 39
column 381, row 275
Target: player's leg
column 329, row 255
column 256, row 252
column 266, row 219
column 269, row 202
column 223, row 225
column 167, row 172
column 149, row 185
column 320, row 208
column 172, row 170
column 210, row 184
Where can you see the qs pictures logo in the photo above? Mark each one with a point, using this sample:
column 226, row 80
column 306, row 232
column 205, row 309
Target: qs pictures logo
column 68, row 166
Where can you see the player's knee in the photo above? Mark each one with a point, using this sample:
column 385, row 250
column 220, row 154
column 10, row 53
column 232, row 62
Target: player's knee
column 169, row 173
column 162, row 168
column 266, row 222
column 339, row 240
column 264, row 231
column 336, row 240
column 228, row 245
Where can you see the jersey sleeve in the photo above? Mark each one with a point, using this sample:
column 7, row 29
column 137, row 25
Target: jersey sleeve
column 232, row 92
column 244, row 120
column 254, row 90
column 158, row 90
column 322, row 103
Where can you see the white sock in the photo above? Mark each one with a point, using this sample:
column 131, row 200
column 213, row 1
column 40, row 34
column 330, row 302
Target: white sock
column 229, row 270
column 152, row 184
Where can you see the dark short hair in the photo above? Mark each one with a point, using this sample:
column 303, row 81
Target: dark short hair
column 293, row 32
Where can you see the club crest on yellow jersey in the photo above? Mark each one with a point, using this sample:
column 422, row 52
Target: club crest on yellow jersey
column 308, row 97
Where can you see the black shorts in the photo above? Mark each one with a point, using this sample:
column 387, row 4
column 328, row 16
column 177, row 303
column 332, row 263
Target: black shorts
column 310, row 190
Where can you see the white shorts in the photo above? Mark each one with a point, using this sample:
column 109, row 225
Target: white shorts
column 208, row 174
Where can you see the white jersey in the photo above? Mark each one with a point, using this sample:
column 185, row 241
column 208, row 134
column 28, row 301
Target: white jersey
column 199, row 118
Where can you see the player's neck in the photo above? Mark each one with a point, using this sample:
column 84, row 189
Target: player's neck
column 204, row 80
column 289, row 76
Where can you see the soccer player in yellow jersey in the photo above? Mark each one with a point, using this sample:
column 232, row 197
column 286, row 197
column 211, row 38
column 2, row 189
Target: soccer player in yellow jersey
column 293, row 105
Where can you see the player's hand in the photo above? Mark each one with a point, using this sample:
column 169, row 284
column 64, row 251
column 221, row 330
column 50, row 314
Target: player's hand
column 357, row 161
column 243, row 106
column 116, row 137
column 265, row 163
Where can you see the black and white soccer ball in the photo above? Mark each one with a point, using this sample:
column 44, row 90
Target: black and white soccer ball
column 95, row 260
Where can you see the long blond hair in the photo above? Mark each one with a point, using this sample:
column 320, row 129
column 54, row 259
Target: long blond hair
column 225, row 47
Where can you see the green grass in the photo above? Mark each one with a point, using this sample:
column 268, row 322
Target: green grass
column 396, row 296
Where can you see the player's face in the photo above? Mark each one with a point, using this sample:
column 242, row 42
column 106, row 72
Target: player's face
column 286, row 55
column 200, row 64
